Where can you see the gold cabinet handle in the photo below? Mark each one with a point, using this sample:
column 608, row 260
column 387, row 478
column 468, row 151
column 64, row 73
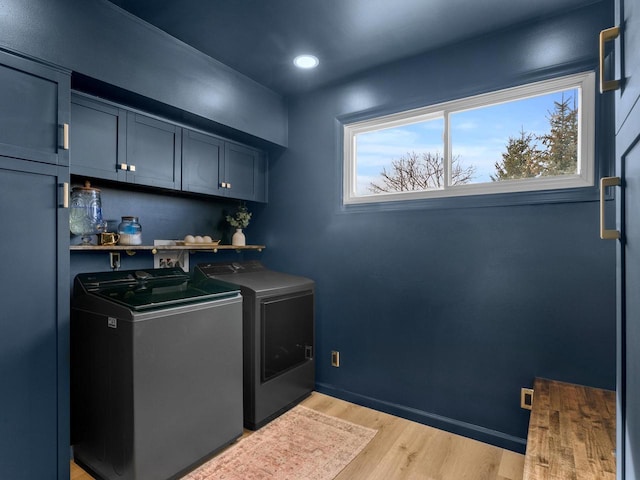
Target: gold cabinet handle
column 606, row 36
column 65, row 136
column 65, row 195
column 605, row 182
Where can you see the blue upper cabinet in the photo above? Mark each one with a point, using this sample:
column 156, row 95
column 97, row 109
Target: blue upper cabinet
column 153, row 152
column 34, row 101
column 245, row 173
column 94, row 147
column 214, row 166
column 202, row 163
column 116, row 143
column 110, row 142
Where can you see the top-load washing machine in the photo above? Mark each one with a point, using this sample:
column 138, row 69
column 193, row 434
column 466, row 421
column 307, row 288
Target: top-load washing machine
column 278, row 336
column 156, row 368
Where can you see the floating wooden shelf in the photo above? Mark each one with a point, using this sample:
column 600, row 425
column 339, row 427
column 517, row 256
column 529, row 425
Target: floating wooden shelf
column 155, row 248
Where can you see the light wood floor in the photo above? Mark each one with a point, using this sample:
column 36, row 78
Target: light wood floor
column 407, row 450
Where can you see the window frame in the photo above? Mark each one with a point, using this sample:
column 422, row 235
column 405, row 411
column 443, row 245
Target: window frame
column 583, row 81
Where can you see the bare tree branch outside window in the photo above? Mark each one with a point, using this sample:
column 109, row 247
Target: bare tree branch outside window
column 420, row 171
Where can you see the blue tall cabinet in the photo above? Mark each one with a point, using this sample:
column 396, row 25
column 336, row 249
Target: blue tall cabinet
column 627, row 101
column 34, row 285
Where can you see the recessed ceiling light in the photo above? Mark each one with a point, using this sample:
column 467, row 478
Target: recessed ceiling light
column 306, row 61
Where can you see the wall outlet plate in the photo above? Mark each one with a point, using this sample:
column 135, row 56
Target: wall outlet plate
column 335, row 358
column 114, row 260
column 171, row 258
column 526, row 398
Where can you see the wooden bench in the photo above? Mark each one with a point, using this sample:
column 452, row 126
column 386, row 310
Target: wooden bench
column 572, row 433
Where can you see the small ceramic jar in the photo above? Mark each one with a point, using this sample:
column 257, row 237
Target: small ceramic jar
column 130, row 231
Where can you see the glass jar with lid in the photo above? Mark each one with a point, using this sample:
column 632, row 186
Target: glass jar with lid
column 130, row 231
column 85, row 214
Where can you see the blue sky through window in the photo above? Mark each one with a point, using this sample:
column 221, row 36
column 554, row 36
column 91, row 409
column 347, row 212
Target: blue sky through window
column 478, row 137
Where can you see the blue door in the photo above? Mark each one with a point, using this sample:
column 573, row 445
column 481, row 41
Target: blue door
column 34, row 343
column 627, row 53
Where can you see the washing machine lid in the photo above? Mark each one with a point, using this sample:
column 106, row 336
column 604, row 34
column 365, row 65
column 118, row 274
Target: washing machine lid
column 153, row 288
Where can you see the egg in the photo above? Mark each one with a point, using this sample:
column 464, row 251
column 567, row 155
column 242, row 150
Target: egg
column 207, row 239
column 198, row 239
column 189, row 239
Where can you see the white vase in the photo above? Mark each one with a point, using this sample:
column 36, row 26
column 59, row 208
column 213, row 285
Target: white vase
column 238, row 240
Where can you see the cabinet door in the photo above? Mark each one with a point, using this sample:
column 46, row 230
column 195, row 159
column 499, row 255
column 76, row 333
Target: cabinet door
column 246, row 172
column 34, row 106
column 202, row 163
column 34, row 345
column 627, row 58
column 95, row 130
column 153, row 151
column 628, row 201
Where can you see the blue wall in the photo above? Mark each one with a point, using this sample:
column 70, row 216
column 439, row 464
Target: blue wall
column 99, row 40
column 441, row 315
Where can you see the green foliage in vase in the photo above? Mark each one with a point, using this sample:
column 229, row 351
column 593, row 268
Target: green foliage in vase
column 241, row 218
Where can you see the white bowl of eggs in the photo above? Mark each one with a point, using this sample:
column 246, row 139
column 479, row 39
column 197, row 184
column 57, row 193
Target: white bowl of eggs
column 199, row 240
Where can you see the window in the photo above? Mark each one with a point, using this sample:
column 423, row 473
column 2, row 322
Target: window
column 529, row 138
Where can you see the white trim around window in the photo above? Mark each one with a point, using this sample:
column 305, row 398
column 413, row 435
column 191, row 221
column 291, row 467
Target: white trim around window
column 440, row 115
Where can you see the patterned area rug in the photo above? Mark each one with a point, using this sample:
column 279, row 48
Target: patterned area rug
column 301, row 444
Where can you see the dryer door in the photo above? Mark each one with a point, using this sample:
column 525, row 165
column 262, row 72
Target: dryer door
column 287, row 333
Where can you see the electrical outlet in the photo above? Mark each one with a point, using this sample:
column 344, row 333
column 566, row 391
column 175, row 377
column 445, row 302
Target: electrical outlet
column 171, row 258
column 335, row 358
column 114, row 258
column 526, row 398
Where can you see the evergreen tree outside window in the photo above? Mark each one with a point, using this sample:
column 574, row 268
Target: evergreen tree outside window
column 522, row 159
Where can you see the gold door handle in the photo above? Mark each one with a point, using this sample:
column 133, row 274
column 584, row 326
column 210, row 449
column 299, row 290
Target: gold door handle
column 606, row 36
column 606, row 234
column 65, row 195
column 65, row 136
